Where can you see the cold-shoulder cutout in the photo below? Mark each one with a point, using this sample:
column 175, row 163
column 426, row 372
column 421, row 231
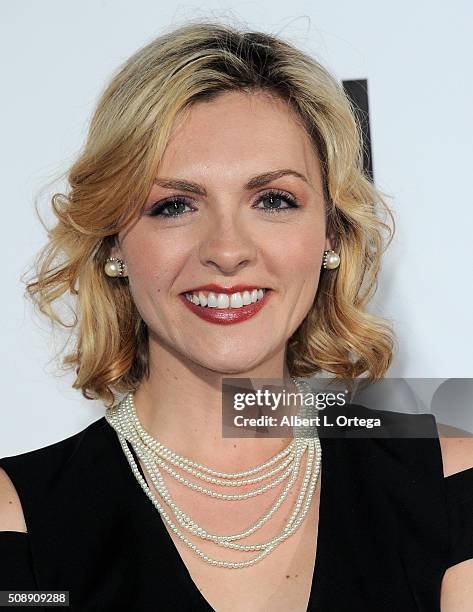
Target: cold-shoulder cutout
column 457, row 458
column 11, row 512
column 457, row 450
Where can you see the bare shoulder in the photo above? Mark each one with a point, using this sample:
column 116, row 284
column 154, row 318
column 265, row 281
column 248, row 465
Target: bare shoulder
column 11, row 512
column 457, row 583
column 456, row 594
column 457, row 449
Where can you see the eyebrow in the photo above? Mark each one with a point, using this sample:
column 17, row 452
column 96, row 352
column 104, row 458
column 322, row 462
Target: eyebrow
column 260, row 180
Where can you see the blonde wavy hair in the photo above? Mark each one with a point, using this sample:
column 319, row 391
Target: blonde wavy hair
column 113, row 175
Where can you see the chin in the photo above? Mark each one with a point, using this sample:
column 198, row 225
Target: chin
column 229, row 365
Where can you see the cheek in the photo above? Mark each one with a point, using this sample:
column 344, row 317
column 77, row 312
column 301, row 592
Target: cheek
column 152, row 264
column 300, row 253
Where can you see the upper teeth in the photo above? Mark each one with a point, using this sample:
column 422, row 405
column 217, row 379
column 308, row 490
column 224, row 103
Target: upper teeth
column 224, row 300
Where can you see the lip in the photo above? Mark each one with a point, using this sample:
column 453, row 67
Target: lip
column 226, row 316
column 228, row 290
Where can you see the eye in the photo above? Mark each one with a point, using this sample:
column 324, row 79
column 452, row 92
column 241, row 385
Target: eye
column 175, row 206
column 274, row 198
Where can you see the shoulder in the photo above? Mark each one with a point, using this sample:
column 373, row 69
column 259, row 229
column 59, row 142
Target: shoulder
column 457, row 457
column 45, row 460
column 28, row 475
column 11, row 512
column 457, row 449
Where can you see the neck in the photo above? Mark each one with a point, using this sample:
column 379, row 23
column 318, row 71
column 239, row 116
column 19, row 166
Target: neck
column 180, row 404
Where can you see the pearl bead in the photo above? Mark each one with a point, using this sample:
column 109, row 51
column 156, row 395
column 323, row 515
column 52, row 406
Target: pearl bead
column 331, row 260
column 112, row 268
column 124, row 420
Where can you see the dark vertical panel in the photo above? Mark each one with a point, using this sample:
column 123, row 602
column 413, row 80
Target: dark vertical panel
column 357, row 91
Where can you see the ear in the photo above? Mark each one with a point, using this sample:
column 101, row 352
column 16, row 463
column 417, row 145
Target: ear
column 115, row 251
column 330, row 241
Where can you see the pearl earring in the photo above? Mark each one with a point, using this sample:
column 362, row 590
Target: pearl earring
column 114, row 267
column 331, row 260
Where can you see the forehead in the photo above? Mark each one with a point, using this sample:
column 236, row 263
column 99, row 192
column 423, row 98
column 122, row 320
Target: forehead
column 239, row 133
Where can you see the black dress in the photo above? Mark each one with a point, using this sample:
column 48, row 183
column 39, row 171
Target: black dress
column 390, row 525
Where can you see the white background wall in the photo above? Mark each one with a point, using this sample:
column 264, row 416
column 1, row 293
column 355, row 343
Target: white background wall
column 57, row 56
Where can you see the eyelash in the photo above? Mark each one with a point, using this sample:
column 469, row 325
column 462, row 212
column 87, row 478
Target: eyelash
column 156, row 209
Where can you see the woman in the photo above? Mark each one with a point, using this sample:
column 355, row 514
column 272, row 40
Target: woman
column 219, row 224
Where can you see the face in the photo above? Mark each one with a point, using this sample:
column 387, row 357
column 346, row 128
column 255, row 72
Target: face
column 221, row 214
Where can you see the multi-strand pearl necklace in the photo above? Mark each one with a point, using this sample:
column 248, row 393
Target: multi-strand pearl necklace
column 124, row 419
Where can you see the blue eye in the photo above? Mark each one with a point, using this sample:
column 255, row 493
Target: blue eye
column 277, row 196
column 173, row 205
column 176, row 205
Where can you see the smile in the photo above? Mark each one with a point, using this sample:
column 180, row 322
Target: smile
column 224, row 308
column 239, row 299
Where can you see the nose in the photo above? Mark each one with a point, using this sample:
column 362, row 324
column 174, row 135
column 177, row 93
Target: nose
column 227, row 245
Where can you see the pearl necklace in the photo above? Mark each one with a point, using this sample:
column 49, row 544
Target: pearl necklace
column 124, row 419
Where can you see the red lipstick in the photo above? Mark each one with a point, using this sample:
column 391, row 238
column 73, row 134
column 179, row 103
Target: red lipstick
column 226, row 316
column 219, row 289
